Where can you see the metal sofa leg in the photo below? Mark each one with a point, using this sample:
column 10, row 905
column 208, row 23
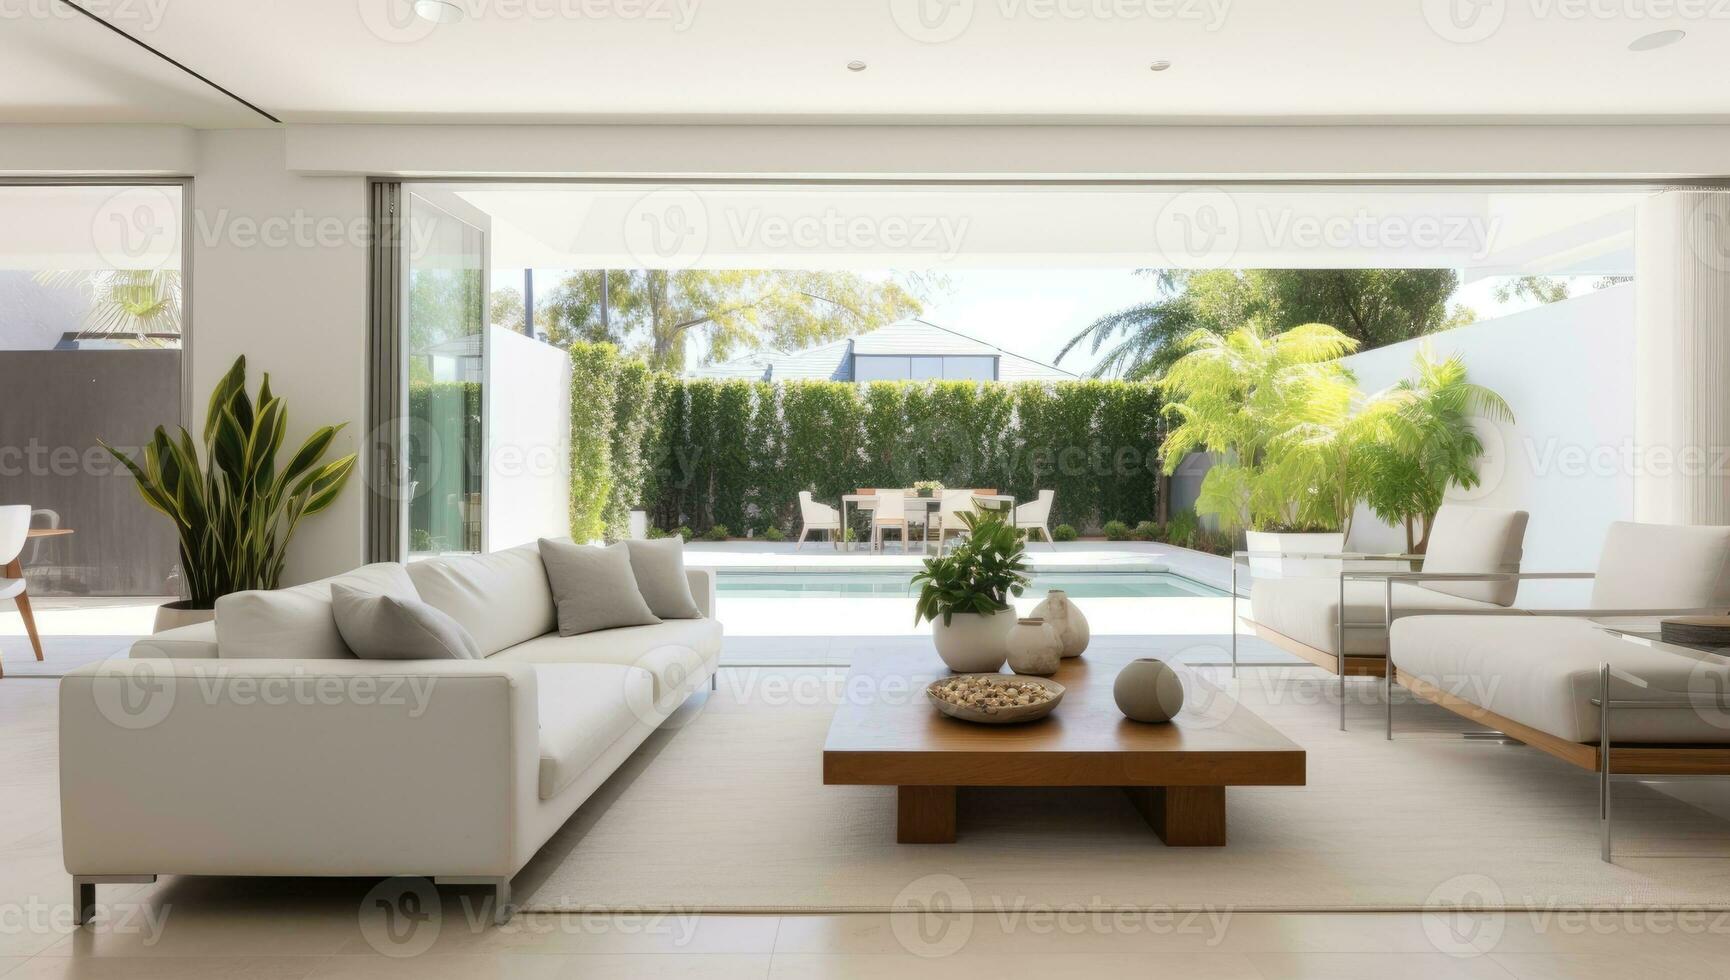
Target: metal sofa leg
column 84, row 892
column 501, row 898
column 1604, row 762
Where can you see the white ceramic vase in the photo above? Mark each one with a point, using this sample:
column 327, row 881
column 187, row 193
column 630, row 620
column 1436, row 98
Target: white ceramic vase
column 974, row 643
column 173, row 615
column 1148, row 690
column 1034, row 648
column 1066, row 620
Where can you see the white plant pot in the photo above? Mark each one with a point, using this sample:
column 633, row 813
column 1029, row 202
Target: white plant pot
column 1325, row 543
column 974, row 643
column 173, row 615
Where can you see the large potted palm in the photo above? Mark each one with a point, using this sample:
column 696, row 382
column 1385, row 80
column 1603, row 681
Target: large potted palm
column 966, row 595
column 236, row 509
column 1277, row 411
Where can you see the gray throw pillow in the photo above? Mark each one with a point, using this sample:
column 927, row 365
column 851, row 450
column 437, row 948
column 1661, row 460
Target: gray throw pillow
column 382, row 627
column 593, row 587
column 660, row 570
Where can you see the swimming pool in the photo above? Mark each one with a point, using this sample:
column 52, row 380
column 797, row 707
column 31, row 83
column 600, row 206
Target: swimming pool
column 890, row 584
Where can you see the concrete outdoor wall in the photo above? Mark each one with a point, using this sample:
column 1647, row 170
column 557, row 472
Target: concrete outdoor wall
column 528, row 419
column 1565, row 370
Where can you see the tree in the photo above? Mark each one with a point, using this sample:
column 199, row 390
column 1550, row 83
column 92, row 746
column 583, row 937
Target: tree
column 1373, row 307
column 139, row 305
column 1539, row 289
column 505, row 308
column 652, row 312
column 1430, row 443
column 1246, row 395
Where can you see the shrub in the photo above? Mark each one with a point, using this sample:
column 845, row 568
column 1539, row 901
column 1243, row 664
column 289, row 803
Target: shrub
column 655, row 533
column 1183, row 528
column 1116, row 531
column 1145, row 531
column 687, row 533
column 1064, row 532
column 773, row 534
column 716, row 533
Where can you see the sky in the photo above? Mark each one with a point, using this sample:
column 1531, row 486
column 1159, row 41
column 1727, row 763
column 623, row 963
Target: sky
column 1034, row 312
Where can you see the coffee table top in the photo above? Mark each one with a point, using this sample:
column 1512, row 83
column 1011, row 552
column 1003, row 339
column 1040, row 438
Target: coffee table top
column 887, row 733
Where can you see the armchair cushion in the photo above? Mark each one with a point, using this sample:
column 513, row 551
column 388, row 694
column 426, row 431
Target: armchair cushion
column 1663, row 566
column 1307, row 610
column 1476, row 539
column 1542, row 671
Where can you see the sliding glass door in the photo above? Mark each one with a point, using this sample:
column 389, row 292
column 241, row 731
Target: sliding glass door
column 444, row 310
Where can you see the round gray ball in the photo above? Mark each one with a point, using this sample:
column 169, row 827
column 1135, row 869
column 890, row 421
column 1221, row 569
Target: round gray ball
column 1148, row 690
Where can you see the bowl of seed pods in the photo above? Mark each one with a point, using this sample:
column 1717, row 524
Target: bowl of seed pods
column 995, row 699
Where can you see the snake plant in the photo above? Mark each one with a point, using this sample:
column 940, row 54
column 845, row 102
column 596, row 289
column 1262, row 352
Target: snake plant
column 236, row 512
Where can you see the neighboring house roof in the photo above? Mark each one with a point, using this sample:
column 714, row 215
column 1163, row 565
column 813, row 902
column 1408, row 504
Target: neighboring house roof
column 834, row 361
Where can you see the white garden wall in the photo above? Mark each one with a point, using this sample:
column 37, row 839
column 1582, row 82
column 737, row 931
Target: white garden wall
column 1566, row 370
column 528, row 417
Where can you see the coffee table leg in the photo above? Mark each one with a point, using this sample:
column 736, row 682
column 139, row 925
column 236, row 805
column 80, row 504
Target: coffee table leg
column 925, row 814
column 1183, row 816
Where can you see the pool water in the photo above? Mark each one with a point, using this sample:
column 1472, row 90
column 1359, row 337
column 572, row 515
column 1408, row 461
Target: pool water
column 740, row 584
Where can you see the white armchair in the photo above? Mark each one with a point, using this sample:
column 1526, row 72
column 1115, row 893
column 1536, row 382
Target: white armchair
column 14, row 531
column 817, row 517
column 1552, row 677
column 1035, row 515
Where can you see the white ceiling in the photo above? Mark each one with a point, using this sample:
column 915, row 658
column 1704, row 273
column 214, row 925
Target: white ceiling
column 588, row 60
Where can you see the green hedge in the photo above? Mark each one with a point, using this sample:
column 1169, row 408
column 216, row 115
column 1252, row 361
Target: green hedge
column 736, row 453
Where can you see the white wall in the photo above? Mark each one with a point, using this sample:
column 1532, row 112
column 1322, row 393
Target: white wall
column 279, row 274
column 1565, row 370
column 528, row 417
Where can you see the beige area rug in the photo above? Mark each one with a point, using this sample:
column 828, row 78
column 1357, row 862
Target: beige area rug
column 729, row 813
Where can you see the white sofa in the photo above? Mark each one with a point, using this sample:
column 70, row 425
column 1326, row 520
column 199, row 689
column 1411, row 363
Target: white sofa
column 206, row 754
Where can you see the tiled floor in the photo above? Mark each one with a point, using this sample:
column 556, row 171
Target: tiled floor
column 283, row 928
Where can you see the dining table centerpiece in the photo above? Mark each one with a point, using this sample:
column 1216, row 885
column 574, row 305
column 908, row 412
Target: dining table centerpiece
column 926, row 489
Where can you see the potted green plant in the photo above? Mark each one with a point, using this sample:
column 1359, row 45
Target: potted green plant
column 966, row 595
column 235, row 510
column 927, row 488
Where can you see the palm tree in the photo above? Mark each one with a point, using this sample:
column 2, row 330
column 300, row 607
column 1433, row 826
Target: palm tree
column 1430, row 443
column 1242, row 393
column 140, row 305
column 1151, row 333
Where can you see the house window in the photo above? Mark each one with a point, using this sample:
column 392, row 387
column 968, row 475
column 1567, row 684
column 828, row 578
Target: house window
column 923, row 367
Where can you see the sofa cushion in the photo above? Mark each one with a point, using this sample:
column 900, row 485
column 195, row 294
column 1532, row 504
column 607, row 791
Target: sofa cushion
column 583, row 709
column 593, row 587
column 1663, row 566
column 1476, row 539
column 1542, row 671
column 1307, row 610
column 678, row 652
column 382, row 627
column 297, row 623
column 660, row 570
column 501, row 598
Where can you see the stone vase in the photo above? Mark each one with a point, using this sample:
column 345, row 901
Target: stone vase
column 974, row 643
column 1065, row 620
column 1034, row 648
column 1148, row 690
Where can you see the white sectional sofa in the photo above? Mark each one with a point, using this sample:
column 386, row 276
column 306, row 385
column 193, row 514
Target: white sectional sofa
column 253, row 746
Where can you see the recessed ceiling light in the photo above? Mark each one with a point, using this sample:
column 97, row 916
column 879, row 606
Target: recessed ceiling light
column 1160, row 65
column 855, row 66
column 438, row 11
column 1660, row 39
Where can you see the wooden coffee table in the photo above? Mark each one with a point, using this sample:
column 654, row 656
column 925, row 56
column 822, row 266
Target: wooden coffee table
column 886, row 733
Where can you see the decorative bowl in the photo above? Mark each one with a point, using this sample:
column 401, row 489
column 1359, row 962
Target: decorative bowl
column 1001, row 716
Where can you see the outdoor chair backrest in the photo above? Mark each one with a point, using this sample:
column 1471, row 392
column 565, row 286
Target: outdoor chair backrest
column 812, row 512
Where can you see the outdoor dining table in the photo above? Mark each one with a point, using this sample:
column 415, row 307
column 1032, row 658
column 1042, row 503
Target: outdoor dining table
column 868, row 501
